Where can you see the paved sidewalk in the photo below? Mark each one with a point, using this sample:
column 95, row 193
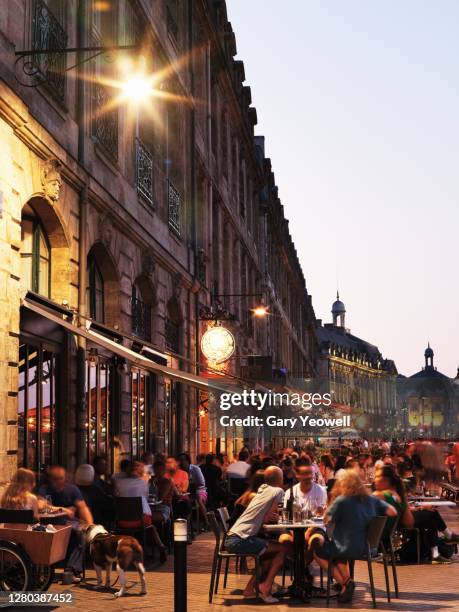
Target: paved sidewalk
column 423, row 588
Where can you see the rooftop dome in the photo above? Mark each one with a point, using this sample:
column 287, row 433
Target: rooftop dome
column 428, row 352
column 338, row 306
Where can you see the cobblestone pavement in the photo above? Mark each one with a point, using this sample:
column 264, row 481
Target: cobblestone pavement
column 423, row 588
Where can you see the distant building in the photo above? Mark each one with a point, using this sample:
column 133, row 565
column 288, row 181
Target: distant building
column 361, row 380
column 429, row 401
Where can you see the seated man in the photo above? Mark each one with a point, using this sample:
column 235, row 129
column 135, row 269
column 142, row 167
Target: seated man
column 243, row 535
column 68, row 498
column 181, row 503
column 307, row 493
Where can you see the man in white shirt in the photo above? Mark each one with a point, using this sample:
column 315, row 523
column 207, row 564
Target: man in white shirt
column 307, row 493
column 240, row 468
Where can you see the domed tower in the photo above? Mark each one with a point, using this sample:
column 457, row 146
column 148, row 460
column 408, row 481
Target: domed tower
column 338, row 312
column 429, row 355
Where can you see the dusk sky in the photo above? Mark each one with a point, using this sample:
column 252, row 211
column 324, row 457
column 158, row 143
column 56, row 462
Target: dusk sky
column 359, row 104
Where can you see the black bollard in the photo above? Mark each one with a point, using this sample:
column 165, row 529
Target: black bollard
column 180, row 546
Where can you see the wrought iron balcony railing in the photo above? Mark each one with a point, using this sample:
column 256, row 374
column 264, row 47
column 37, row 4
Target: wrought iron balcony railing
column 172, row 336
column 174, row 208
column 105, row 122
column 48, row 33
column 141, row 319
column 172, row 25
column 144, row 172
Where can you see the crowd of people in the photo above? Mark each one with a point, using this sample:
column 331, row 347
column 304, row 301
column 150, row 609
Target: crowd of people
column 346, row 485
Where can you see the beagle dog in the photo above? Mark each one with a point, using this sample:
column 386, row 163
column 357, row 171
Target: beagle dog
column 106, row 548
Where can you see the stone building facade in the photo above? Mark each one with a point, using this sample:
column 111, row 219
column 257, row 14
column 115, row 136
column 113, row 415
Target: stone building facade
column 120, row 223
column 361, row 381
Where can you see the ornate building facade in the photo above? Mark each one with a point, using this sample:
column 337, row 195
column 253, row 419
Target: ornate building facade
column 120, row 224
column 361, row 381
column 428, row 402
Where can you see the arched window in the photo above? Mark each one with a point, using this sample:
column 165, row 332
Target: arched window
column 95, row 291
column 35, row 254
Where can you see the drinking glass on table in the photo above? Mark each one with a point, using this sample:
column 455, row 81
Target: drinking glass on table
column 49, row 504
column 284, row 516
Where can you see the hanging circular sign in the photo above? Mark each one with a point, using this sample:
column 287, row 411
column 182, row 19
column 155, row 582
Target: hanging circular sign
column 217, row 344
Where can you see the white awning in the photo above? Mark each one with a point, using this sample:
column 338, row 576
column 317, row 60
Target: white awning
column 198, row 382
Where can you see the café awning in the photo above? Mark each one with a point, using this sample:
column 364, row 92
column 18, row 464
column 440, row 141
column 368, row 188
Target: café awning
column 121, row 350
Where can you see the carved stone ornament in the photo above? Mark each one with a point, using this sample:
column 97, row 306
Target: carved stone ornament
column 51, row 179
column 177, row 286
column 148, row 265
column 106, row 230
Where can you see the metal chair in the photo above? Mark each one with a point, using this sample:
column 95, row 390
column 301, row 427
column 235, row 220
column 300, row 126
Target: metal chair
column 8, row 515
column 375, row 530
column 220, row 553
column 130, row 510
column 387, row 548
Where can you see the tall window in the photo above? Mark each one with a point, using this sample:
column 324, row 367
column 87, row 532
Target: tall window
column 48, row 32
column 36, row 406
column 140, row 403
column 141, row 315
column 98, row 388
column 35, row 254
column 95, row 291
column 104, row 124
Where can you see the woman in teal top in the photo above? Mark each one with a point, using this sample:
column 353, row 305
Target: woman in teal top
column 389, row 487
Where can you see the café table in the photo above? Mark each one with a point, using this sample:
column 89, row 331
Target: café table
column 431, row 502
column 300, row 589
column 52, row 518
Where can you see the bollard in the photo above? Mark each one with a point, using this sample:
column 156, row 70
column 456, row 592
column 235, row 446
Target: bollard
column 180, row 547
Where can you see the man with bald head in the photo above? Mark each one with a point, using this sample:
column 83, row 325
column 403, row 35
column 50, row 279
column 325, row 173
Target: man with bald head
column 244, row 538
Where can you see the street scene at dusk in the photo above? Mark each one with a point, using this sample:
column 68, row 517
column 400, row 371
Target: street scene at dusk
column 229, row 367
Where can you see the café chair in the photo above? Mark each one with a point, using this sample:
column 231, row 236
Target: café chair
column 220, row 553
column 374, row 535
column 8, row 515
column 387, row 549
column 129, row 519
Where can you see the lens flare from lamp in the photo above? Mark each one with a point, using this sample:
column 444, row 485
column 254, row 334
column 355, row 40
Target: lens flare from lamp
column 260, row 311
column 217, row 344
column 137, row 89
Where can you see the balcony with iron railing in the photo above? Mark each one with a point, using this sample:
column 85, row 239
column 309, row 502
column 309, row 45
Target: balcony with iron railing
column 174, row 209
column 105, row 121
column 141, row 319
column 144, row 171
column 48, row 33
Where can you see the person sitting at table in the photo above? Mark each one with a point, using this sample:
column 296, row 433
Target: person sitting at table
column 100, row 504
column 181, row 503
column 123, row 473
column 67, row 498
column 350, row 512
column 18, row 495
column 136, row 485
column 240, row 505
column 213, row 477
column 326, row 468
column 241, row 467
column 196, row 483
column 307, row 493
column 164, row 489
column 102, row 477
column 243, row 536
column 429, row 521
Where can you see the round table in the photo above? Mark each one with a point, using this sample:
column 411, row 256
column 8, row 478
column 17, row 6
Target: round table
column 300, row 588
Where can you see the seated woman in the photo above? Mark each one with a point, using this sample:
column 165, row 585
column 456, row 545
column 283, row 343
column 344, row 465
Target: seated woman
column 389, row 487
column 350, row 513
column 136, row 485
column 255, row 482
column 101, row 505
column 18, row 495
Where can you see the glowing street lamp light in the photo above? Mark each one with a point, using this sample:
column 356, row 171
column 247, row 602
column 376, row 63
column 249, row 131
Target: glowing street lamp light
column 261, row 311
column 137, row 89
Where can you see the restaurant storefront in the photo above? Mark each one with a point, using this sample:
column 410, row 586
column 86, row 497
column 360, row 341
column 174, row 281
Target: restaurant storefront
column 47, row 425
